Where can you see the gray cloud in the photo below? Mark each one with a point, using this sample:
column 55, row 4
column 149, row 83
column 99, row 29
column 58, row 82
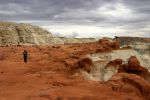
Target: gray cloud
column 126, row 14
column 48, row 9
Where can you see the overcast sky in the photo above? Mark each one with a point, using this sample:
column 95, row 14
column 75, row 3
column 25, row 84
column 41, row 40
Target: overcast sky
column 82, row 18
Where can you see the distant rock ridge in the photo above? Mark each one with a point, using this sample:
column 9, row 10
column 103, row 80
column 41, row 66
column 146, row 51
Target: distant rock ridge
column 142, row 45
column 14, row 33
column 26, row 34
column 132, row 40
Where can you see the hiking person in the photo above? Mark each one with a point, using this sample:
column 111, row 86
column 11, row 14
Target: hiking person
column 25, row 55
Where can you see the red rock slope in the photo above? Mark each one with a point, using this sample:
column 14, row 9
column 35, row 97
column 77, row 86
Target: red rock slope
column 52, row 74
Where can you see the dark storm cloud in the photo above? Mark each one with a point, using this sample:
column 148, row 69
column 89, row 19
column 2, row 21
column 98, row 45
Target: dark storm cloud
column 46, row 9
column 127, row 14
column 137, row 5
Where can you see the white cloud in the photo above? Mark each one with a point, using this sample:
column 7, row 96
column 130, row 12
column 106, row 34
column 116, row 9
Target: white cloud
column 83, row 31
column 116, row 10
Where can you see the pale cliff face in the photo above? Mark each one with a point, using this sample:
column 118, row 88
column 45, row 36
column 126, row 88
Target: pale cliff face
column 13, row 33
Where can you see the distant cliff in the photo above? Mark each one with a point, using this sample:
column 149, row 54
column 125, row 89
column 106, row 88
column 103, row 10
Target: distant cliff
column 139, row 44
column 132, row 40
column 13, row 33
column 26, row 34
column 64, row 40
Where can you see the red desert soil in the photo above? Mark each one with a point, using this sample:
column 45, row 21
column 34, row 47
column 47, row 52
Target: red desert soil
column 52, row 74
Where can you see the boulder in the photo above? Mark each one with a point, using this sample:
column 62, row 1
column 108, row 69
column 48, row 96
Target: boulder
column 85, row 64
column 133, row 62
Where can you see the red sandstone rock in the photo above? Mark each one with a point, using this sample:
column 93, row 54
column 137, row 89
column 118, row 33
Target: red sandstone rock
column 134, row 67
column 71, row 65
column 115, row 63
column 85, row 64
column 133, row 62
column 134, row 80
column 75, row 62
column 100, row 49
column 103, row 41
column 47, row 78
column 114, row 45
column 82, row 63
column 109, row 45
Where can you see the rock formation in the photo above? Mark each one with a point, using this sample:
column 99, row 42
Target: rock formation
column 77, row 59
column 134, row 67
column 55, row 72
column 142, row 45
column 106, row 42
column 15, row 34
column 85, row 64
column 133, row 74
column 26, row 34
column 115, row 62
column 133, row 80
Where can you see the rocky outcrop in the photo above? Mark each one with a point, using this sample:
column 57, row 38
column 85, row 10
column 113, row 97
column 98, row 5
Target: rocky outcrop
column 115, row 62
column 127, row 77
column 85, row 64
column 107, row 44
column 133, row 62
column 133, row 80
column 15, row 34
column 26, row 34
column 64, row 40
column 131, row 76
column 75, row 65
column 142, row 45
column 131, row 40
column 133, row 66
column 78, row 60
